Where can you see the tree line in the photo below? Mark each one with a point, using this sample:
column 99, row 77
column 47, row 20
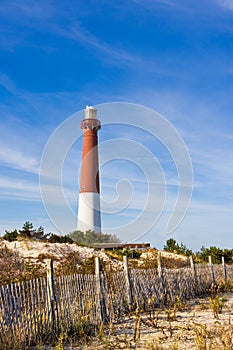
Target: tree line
column 216, row 253
column 87, row 238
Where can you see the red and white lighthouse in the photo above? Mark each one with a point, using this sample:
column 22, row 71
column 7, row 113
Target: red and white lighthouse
column 89, row 194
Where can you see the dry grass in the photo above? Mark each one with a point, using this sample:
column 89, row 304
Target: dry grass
column 189, row 326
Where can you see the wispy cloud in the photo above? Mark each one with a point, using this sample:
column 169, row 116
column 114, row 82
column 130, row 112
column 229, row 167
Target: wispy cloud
column 153, row 3
column 14, row 184
column 34, row 18
column 215, row 166
column 7, row 83
column 17, row 160
column 19, row 10
column 14, row 189
column 110, row 53
column 180, row 6
column 226, row 3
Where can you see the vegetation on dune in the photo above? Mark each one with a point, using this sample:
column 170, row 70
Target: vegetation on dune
column 216, row 254
column 119, row 253
column 14, row 268
column 203, row 255
column 89, row 237
column 173, row 247
column 27, row 231
column 11, row 236
column 53, row 238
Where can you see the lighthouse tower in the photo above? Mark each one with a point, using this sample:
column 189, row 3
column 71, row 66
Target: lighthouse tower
column 89, row 194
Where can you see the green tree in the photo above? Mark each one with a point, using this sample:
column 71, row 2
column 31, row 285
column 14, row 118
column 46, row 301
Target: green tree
column 216, row 254
column 182, row 249
column 38, row 233
column 228, row 255
column 10, row 235
column 59, row 239
column 90, row 237
column 173, row 247
column 27, row 230
column 30, row 232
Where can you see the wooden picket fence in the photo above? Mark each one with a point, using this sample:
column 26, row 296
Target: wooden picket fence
column 32, row 308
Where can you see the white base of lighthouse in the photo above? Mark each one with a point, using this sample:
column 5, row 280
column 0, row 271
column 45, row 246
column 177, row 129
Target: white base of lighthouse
column 89, row 212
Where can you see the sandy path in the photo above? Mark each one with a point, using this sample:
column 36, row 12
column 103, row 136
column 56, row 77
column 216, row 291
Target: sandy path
column 194, row 328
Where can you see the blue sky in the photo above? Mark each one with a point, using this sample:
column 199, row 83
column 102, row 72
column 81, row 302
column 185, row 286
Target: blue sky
column 172, row 56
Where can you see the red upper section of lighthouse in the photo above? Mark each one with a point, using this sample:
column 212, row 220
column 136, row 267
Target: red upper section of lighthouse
column 89, row 180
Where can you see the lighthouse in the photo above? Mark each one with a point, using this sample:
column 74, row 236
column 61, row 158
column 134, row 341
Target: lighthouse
column 89, row 193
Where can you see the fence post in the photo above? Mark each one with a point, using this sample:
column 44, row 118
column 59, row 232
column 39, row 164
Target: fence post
column 127, row 278
column 164, row 294
column 99, row 288
column 211, row 269
column 160, row 271
column 224, row 270
column 51, row 291
column 193, row 268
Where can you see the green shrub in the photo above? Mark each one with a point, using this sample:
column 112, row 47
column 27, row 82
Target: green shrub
column 173, row 247
column 60, row 239
column 10, row 235
column 216, row 254
column 89, row 238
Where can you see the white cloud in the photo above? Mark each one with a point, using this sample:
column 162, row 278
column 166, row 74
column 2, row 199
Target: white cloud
column 226, row 3
column 6, row 82
column 9, row 183
column 17, row 160
column 112, row 54
column 15, row 189
column 153, row 3
column 33, row 17
column 20, row 10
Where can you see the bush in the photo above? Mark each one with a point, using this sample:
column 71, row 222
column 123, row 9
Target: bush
column 69, row 265
column 15, row 269
column 60, row 239
column 88, row 266
column 216, row 254
column 10, row 236
column 89, row 238
column 173, row 247
column 131, row 253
